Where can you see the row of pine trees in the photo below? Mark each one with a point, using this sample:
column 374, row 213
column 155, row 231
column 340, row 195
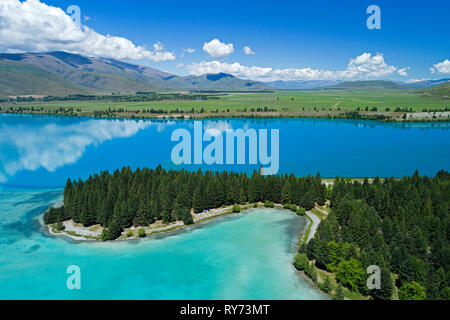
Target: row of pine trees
column 126, row 198
column 401, row 225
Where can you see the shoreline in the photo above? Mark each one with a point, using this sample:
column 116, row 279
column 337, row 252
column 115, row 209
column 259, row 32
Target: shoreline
column 389, row 117
column 174, row 227
column 312, row 223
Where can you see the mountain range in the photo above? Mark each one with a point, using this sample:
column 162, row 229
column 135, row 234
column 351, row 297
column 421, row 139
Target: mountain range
column 62, row 73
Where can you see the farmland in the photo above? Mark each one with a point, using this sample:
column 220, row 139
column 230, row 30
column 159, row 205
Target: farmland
column 277, row 103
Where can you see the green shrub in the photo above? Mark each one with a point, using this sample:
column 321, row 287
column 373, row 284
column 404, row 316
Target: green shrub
column 301, row 211
column 327, row 286
column 294, row 207
column 141, row 233
column 331, row 267
column 129, row 234
column 351, row 274
column 269, row 204
column 412, row 291
column 255, row 205
column 339, row 293
column 287, row 206
column 301, row 261
column 313, row 273
column 236, row 208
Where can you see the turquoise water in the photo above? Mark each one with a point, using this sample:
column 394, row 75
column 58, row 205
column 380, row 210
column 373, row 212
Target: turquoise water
column 247, row 256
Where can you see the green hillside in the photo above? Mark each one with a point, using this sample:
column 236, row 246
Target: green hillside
column 441, row 91
column 23, row 79
column 104, row 76
column 367, row 85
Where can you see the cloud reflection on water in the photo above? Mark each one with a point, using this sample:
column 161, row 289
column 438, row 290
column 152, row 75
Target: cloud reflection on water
column 51, row 146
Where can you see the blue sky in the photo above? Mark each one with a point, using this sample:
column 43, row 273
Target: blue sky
column 320, row 35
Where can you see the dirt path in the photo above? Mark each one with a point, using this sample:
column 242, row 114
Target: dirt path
column 315, row 221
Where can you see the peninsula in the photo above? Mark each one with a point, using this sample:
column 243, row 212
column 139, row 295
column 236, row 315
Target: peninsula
column 396, row 225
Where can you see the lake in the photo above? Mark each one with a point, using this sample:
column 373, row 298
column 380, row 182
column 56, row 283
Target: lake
column 246, row 256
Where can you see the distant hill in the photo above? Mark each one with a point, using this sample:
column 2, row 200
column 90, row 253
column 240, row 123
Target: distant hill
column 441, row 91
column 301, row 84
column 428, row 83
column 217, row 82
column 77, row 73
column 351, row 85
column 366, row 85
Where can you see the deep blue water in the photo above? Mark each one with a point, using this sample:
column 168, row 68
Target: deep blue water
column 247, row 256
column 44, row 151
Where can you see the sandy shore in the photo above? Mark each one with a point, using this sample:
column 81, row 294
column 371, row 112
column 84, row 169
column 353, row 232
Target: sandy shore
column 78, row 232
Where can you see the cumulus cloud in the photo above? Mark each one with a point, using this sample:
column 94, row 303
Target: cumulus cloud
column 441, row 67
column 217, row 49
column 248, row 50
column 365, row 66
column 35, row 26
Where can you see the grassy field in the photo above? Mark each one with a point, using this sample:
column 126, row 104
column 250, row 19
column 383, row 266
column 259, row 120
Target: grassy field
column 328, row 100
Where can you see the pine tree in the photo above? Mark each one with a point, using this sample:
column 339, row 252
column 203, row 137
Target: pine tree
column 386, row 286
column 198, row 200
column 308, row 201
column 286, row 193
column 114, row 231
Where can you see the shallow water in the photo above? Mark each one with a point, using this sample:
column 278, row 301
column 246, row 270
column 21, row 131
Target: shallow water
column 246, row 256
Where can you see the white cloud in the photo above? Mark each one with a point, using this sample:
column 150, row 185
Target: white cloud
column 403, row 71
column 441, row 67
column 365, row 66
column 217, row 49
column 368, row 65
column 416, row 80
column 248, row 50
column 187, row 50
column 34, row 26
column 158, row 46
